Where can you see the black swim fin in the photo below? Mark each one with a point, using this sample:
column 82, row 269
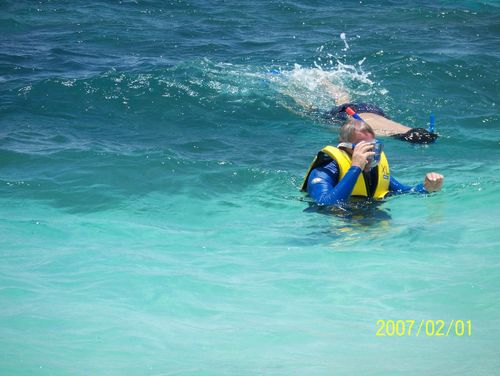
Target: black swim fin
column 417, row 136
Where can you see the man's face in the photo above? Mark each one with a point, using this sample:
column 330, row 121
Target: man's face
column 367, row 137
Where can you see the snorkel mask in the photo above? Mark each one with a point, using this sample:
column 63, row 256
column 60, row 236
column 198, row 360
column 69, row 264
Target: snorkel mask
column 378, row 148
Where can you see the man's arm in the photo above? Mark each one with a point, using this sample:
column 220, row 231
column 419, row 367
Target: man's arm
column 325, row 188
column 395, row 187
column 432, row 183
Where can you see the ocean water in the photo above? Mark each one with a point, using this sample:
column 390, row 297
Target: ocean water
column 151, row 219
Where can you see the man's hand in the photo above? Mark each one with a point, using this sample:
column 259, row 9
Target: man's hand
column 433, row 181
column 361, row 153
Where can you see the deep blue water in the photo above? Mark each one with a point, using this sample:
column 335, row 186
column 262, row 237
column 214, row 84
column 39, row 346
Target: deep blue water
column 151, row 219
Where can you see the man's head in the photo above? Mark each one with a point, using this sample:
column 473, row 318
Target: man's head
column 358, row 132
column 354, row 131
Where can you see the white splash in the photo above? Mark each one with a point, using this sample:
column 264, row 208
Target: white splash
column 320, row 86
column 342, row 36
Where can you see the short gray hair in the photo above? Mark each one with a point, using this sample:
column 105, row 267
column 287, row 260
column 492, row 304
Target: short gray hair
column 347, row 130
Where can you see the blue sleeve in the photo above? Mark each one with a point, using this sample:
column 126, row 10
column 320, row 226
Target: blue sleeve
column 324, row 187
column 395, row 187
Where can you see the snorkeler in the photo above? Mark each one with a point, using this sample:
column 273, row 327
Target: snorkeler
column 357, row 167
column 374, row 116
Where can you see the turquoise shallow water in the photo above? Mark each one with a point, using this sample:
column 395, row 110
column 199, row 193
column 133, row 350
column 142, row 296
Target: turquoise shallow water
column 151, row 221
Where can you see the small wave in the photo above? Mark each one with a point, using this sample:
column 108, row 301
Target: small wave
column 200, row 79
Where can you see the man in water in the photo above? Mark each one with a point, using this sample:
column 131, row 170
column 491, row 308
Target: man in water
column 357, row 167
column 373, row 115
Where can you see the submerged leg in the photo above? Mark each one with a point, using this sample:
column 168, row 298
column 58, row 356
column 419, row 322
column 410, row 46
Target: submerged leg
column 383, row 126
column 386, row 127
column 339, row 94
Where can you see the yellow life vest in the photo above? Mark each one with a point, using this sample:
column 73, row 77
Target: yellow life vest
column 343, row 160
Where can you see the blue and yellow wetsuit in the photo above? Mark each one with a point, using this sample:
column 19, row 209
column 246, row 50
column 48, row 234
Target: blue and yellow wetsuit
column 331, row 180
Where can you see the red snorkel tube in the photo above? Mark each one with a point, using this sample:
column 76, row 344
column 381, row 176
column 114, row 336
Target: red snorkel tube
column 353, row 113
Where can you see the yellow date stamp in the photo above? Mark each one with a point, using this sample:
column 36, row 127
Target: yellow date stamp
column 428, row 328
